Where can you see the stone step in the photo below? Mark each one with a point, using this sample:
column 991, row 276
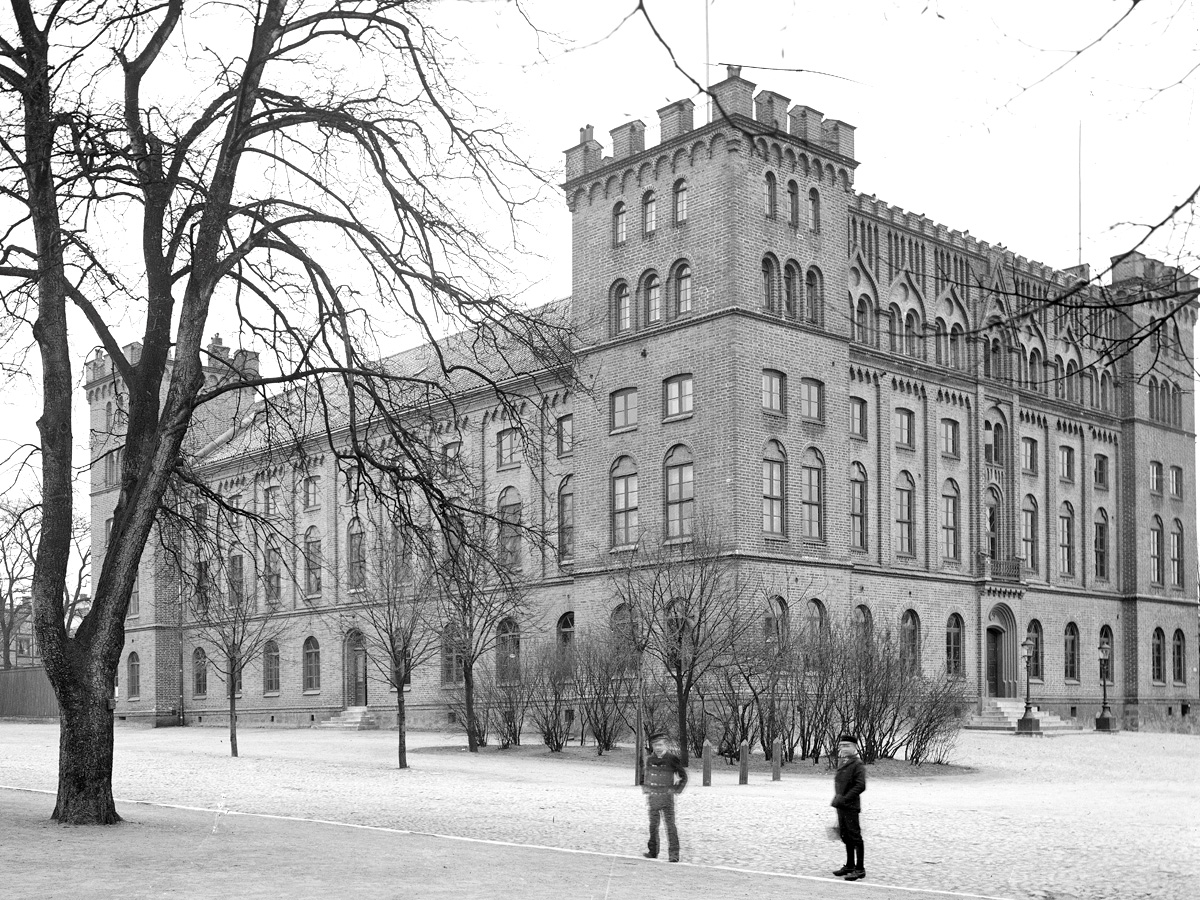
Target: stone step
column 355, row 718
column 1002, row 713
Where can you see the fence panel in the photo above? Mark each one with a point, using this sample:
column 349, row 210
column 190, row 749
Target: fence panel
column 26, row 693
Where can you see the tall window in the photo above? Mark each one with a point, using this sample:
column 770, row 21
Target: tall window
column 680, row 201
column 811, row 399
column 811, row 525
column 565, row 629
column 683, row 290
column 1178, row 657
column 509, row 529
column 770, row 198
column 452, row 656
column 312, row 561
column 912, row 330
column 204, row 588
column 508, row 652
column 791, row 288
column 271, row 500
column 772, row 391
column 133, row 677
column 1156, row 477
column 135, row 596
column 814, row 209
column 356, row 555
column 565, row 435
column 624, row 408
column 1034, row 633
column 1100, row 550
column 793, row 204
column 1156, row 550
column 957, row 338
column 1158, row 663
column 508, row 447
column 774, row 473
column 624, row 502
column 858, row 507
column 1071, row 652
column 1106, row 665
column 1029, row 455
column 1066, row 463
column 1177, row 554
column 566, row 520
column 770, row 276
column 860, row 326
column 1066, row 540
column 1100, row 472
column 950, row 437
column 649, row 213
column 652, row 288
column 312, row 491
column 950, row 521
column 940, row 350
column 905, row 522
column 622, row 309
column 619, row 223
column 236, row 578
column 991, row 522
column 273, row 572
column 1029, row 532
column 910, row 642
column 813, row 296
column 677, row 396
column 270, row 668
column 905, row 430
column 954, row 645
column 1176, row 481
column 858, row 417
column 312, row 664
column 680, row 499
column 199, row 673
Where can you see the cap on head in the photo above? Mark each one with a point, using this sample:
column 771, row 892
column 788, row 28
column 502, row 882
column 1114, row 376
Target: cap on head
column 658, row 736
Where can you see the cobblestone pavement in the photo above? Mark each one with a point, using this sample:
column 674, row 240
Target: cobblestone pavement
column 1077, row 816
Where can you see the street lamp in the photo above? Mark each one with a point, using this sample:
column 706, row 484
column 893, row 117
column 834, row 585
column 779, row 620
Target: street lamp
column 1027, row 725
column 1104, row 721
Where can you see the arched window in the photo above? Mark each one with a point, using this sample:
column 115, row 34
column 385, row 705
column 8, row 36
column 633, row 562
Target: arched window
column 905, row 544
column 910, row 642
column 1105, row 391
column 862, row 319
column 508, row 651
column 273, row 572
column 814, row 617
column 774, row 490
column 1070, row 385
column 858, row 507
column 622, row 310
column 812, row 484
column 912, row 328
column 621, row 623
column 770, row 277
column 863, row 623
column 312, row 562
column 681, row 201
column 508, row 514
column 1037, row 373
column 957, row 338
column 624, row 502
column 814, row 296
column 770, row 198
column 649, row 213
column 270, row 667
column 996, row 352
column 619, row 224
column 1071, row 652
column 680, row 498
column 941, row 352
column 683, row 289
column 1106, row 665
column 791, row 288
column 1178, row 657
column 312, row 491
column 1066, row 540
column 1156, row 550
column 1158, row 664
column 991, row 522
column 566, row 520
column 954, row 645
column 950, row 520
column 452, row 656
column 895, row 330
column 1177, row 554
column 652, row 291
column 133, row 677
column 1036, row 653
column 199, row 673
column 1029, row 532
column 775, row 624
column 312, row 664
column 793, row 204
column 565, row 629
column 356, row 555
column 1152, row 392
column 814, row 209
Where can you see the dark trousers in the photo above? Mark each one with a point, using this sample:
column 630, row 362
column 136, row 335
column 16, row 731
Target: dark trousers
column 662, row 806
column 851, row 837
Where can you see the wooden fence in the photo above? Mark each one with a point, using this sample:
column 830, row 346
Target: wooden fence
column 26, row 694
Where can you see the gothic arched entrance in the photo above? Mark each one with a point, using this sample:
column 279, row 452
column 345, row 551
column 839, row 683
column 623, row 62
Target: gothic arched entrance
column 1001, row 674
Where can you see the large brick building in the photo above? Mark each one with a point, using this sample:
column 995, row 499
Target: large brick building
column 890, row 419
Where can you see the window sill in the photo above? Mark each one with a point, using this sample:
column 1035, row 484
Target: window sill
column 678, row 417
column 312, row 693
column 1036, row 679
column 623, row 548
column 1070, row 680
column 774, row 413
column 858, row 437
column 133, row 699
column 1062, row 479
column 507, row 467
column 1100, row 487
column 1029, row 471
column 623, row 429
column 566, row 454
column 809, row 420
column 677, row 541
column 909, row 447
column 953, row 456
column 771, row 536
column 270, row 693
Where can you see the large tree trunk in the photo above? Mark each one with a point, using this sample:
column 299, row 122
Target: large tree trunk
column 401, row 728
column 469, row 702
column 681, row 713
column 85, row 756
column 230, row 684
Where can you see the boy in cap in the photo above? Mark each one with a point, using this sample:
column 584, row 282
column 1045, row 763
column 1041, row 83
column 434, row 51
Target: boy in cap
column 660, row 788
column 849, row 781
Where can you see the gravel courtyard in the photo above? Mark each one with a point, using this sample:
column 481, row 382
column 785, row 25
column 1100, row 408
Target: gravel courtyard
column 1077, row 816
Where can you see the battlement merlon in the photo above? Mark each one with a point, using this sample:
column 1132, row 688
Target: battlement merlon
column 733, row 98
column 223, row 362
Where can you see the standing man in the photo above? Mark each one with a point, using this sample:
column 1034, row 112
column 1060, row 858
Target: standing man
column 848, row 783
column 660, row 789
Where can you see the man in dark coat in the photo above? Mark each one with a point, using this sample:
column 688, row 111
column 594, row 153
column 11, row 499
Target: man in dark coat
column 660, row 788
column 848, row 783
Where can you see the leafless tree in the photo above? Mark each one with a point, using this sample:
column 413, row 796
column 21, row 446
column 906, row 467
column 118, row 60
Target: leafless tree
column 605, row 670
column 550, row 672
column 306, row 186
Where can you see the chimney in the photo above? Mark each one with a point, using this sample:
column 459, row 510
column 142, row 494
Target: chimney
column 246, row 363
column 1132, row 265
column 675, row 119
column 840, row 137
column 217, row 348
column 734, row 96
column 628, row 139
column 771, row 109
column 584, row 157
column 806, row 123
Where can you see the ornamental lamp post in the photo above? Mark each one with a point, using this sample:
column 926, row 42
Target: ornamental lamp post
column 1027, row 725
column 1104, row 721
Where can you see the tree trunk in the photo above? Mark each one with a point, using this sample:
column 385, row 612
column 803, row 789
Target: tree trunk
column 469, row 703
column 85, row 757
column 681, row 712
column 230, row 683
column 401, row 728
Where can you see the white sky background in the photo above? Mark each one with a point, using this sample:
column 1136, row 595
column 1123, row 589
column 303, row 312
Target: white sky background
column 950, row 119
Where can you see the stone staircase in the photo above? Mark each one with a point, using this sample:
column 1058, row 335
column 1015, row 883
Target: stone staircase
column 1001, row 714
column 353, row 718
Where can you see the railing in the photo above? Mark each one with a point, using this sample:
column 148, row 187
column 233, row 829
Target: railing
column 1001, row 569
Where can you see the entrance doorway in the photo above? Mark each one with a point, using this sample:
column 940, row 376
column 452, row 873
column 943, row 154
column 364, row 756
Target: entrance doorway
column 357, row 693
column 995, row 669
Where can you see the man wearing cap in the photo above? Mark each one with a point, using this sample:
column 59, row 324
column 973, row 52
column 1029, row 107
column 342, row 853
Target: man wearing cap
column 849, row 781
column 660, row 788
